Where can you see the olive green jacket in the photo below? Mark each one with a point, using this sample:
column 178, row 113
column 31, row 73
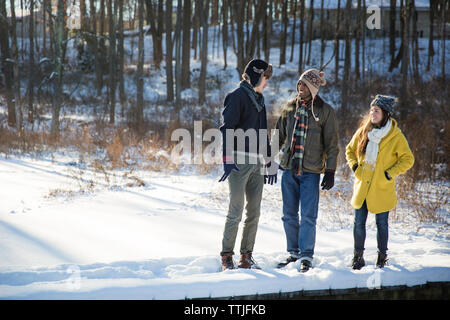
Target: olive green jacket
column 321, row 145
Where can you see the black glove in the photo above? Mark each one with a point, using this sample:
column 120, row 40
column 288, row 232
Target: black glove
column 386, row 174
column 228, row 167
column 271, row 176
column 328, row 180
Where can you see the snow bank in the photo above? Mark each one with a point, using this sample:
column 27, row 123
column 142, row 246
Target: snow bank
column 162, row 241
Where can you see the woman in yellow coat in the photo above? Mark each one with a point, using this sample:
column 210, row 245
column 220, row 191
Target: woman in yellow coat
column 377, row 154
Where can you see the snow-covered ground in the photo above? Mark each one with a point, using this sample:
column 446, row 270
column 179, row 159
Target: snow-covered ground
column 62, row 240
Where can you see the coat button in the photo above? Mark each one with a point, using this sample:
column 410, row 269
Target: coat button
column 368, row 182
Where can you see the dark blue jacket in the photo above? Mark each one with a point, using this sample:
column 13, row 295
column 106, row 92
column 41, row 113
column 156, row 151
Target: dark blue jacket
column 240, row 113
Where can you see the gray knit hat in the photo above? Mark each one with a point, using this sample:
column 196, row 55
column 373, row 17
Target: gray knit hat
column 384, row 102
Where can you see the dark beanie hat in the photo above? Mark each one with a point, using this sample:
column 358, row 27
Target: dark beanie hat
column 384, row 102
column 255, row 69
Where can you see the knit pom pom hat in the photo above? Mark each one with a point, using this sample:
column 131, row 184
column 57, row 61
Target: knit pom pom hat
column 255, row 69
column 313, row 79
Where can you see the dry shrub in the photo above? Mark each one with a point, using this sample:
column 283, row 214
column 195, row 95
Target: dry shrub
column 114, row 151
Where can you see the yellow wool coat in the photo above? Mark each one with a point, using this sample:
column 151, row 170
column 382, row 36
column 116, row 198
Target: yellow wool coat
column 394, row 156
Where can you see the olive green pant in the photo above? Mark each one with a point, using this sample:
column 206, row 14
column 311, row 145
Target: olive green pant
column 245, row 184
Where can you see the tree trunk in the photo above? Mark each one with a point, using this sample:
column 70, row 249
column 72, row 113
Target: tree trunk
column 121, row 57
column 284, row 17
column 302, row 25
column 196, row 26
column 347, row 62
column 405, row 60
column 156, row 30
column 112, row 61
column 357, row 40
column 336, row 42
column 139, row 113
column 310, row 30
column 100, row 54
column 415, row 42
column 294, row 14
column 443, row 10
column 392, row 16
column 225, row 31
column 31, row 65
column 169, row 51
column 16, row 71
column 59, row 58
column 204, row 54
column 178, row 59
column 267, row 30
column 83, row 16
column 364, row 41
column 322, row 36
column 186, row 50
column 238, row 7
column 7, row 64
column 433, row 5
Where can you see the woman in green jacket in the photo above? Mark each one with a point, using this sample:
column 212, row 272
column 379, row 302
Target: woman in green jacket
column 377, row 154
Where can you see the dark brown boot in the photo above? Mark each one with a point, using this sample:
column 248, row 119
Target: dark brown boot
column 227, row 261
column 246, row 261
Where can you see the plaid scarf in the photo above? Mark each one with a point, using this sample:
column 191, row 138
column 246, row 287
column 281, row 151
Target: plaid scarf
column 299, row 135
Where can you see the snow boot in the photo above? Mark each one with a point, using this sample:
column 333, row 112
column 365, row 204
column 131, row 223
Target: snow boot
column 227, row 262
column 247, row 262
column 381, row 260
column 306, row 265
column 285, row 262
column 358, row 260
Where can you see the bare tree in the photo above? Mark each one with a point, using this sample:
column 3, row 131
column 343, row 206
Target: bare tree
column 357, row 40
column 112, row 61
column 347, row 62
column 267, row 29
column 294, row 14
column 443, row 11
column 58, row 63
column 178, row 58
column 169, row 51
column 302, row 25
column 392, row 15
column 322, row 36
column 336, row 42
column 7, row 64
column 155, row 20
column 433, row 6
column 100, row 53
column 246, row 46
column 285, row 21
column 121, row 57
column 31, row 64
column 405, row 60
column 203, row 53
column 225, row 7
column 310, row 29
column 186, row 50
column 139, row 112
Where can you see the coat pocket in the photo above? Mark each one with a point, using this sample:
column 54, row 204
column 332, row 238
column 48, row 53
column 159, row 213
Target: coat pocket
column 358, row 172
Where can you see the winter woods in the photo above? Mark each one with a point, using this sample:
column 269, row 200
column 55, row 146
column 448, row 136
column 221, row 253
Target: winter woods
column 98, row 58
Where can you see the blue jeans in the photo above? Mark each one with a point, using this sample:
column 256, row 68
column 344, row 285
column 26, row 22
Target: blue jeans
column 300, row 190
column 359, row 229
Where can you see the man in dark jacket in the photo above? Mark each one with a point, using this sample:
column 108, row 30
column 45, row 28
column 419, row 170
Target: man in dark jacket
column 309, row 146
column 245, row 152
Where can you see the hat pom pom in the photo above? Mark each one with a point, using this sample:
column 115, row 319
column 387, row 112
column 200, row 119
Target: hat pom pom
column 322, row 76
